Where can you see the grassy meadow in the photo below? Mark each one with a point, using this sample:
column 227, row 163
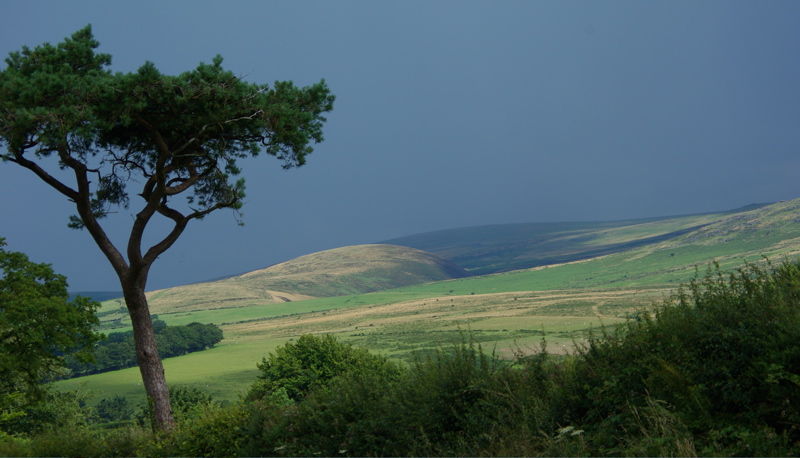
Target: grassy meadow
column 505, row 312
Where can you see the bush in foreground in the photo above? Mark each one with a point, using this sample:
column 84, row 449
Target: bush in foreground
column 719, row 364
column 713, row 371
column 311, row 363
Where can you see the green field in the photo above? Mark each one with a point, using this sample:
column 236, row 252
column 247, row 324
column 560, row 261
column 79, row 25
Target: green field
column 505, row 311
column 222, row 371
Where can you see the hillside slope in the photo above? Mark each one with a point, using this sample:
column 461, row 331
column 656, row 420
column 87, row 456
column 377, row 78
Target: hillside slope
column 341, row 271
column 508, row 311
column 354, row 270
column 658, row 251
column 771, row 231
column 501, row 248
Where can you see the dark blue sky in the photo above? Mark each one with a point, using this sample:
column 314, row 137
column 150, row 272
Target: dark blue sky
column 451, row 114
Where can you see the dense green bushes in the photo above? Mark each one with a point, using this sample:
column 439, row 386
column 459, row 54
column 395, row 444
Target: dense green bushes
column 38, row 324
column 312, row 362
column 114, row 409
column 722, row 358
column 374, row 411
column 713, row 371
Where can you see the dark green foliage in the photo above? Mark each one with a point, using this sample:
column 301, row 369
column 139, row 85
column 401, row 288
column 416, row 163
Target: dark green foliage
column 352, row 414
column 38, row 324
column 713, row 371
column 722, row 359
column 118, row 350
column 52, row 411
column 82, row 441
column 310, row 362
column 456, row 401
column 114, row 409
column 180, row 340
column 448, row 399
column 187, row 400
column 215, row 431
column 186, row 403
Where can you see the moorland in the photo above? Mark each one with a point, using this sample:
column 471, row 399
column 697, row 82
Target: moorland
column 508, row 285
column 653, row 337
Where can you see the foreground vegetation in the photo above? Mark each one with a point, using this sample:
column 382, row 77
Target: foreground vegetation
column 714, row 370
column 507, row 310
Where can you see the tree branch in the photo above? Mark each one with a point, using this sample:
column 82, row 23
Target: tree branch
column 19, row 158
column 181, row 222
column 195, row 138
column 185, row 183
column 153, row 192
column 84, row 208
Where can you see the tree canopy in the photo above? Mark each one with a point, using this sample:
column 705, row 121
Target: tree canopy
column 175, row 133
column 38, row 324
column 168, row 135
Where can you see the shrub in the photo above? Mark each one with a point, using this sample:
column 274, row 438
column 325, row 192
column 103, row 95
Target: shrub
column 450, row 397
column 722, row 355
column 310, row 362
column 186, row 402
column 345, row 418
column 215, row 431
column 458, row 400
column 114, row 409
column 316, row 394
column 81, row 441
column 54, row 410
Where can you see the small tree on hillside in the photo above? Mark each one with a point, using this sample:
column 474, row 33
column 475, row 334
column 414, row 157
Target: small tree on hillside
column 169, row 135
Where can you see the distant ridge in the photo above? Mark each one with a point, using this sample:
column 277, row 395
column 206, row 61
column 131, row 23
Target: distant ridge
column 653, row 252
column 480, row 250
column 491, row 249
column 747, row 208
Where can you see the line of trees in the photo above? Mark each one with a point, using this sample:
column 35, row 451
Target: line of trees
column 118, row 351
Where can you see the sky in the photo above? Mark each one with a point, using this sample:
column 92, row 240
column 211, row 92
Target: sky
column 448, row 114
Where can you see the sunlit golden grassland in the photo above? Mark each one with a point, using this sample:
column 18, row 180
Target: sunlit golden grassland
column 504, row 312
column 501, row 322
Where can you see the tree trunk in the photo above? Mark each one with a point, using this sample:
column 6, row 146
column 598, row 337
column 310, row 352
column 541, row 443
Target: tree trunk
column 155, row 383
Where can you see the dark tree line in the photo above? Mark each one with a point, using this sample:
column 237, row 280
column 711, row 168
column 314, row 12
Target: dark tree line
column 118, row 350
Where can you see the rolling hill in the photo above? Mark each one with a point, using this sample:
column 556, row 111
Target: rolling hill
column 501, row 248
column 654, row 251
column 397, row 300
column 771, row 231
column 349, row 270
